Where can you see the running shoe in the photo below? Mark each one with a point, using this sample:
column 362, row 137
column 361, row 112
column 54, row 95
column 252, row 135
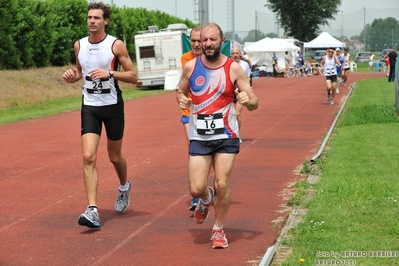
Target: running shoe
column 201, row 212
column 332, row 102
column 194, row 203
column 90, row 218
column 328, row 97
column 219, row 239
column 123, row 200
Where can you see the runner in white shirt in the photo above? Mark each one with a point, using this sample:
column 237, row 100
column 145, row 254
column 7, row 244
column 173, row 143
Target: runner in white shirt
column 329, row 63
column 371, row 62
column 346, row 66
column 99, row 59
column 235, row 54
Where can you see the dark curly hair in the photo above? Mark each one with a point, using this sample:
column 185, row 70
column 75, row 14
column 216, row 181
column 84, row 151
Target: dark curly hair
column 107, row 12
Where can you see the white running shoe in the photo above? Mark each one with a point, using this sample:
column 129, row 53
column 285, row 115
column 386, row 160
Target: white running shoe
column 90, row 218
column 123, row 199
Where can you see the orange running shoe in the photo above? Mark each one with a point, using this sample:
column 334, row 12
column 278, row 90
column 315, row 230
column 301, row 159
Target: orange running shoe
column 202, row 210
column 219, row 239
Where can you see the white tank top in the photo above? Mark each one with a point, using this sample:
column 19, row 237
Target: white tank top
column 330, row 68
column 346, row 61
column 99, row 55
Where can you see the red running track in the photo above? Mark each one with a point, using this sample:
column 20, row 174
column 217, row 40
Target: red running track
column 42, row 192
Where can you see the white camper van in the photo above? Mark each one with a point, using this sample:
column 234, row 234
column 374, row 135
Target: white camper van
column 159, row 52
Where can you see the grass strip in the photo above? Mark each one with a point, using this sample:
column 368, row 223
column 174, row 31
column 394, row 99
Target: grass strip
column 47, row 108
column 354, row 211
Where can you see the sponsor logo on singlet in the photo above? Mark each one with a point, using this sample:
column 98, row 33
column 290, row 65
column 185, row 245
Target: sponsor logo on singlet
column 200, row 81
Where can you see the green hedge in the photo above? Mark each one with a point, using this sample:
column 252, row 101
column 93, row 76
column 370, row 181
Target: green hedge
column 40, row 33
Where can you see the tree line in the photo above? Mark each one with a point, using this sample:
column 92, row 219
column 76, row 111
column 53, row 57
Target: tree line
column 303, row 20
column 40, row 33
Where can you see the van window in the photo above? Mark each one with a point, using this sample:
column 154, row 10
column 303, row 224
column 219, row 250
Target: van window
column 147, row 51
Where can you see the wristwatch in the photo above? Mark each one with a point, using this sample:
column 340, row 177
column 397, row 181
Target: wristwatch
column 111, row 73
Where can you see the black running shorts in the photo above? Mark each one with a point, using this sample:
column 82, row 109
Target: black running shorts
column 333, row 78
column 113, row 117
column 198, row 147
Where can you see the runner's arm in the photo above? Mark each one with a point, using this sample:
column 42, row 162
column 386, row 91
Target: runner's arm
column 74, row 74
column 183, row 88
column 128, row 74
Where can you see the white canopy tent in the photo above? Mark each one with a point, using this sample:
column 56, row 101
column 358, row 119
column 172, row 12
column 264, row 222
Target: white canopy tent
column 324, row 40
column 261, row 51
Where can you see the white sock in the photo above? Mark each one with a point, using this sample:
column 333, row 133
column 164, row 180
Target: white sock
column 217, row 228
column 124, row 187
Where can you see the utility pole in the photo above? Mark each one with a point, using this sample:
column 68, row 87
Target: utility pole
column 365, row 48
column 256, row 26
column 233, row 14
column 203, row 12
column 342, row 30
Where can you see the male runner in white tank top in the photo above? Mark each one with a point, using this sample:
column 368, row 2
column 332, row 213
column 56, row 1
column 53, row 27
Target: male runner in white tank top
column 98, row 60
column 346, row 66
column 329, row 64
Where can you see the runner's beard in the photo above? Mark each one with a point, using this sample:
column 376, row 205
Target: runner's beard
column 212, row 57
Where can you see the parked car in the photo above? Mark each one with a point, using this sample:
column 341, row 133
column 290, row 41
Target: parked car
column 318, row 54
column 362, row 56
column 383, row 53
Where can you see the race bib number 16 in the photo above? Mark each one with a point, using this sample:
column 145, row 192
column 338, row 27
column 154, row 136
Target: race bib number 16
column 210, row 124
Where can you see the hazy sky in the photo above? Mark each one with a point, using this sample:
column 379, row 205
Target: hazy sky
column 244, row 9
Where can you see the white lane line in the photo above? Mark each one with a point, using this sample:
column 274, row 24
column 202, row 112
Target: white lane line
column 27, row 218
column 137, row 232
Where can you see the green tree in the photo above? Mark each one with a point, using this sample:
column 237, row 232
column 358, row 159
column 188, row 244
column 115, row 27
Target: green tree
column 302, row 19
column 229, row 36
column 272, row 35
column 38, row 33
column 71, row 25
column 33, row 40
column 381, row 33
column 24, row 37
column 44, row 38
column 253, row 36
column 9, row 54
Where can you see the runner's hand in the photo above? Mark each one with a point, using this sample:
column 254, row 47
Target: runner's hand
column 184, row 102
column 242, row 97
column 70, row 75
